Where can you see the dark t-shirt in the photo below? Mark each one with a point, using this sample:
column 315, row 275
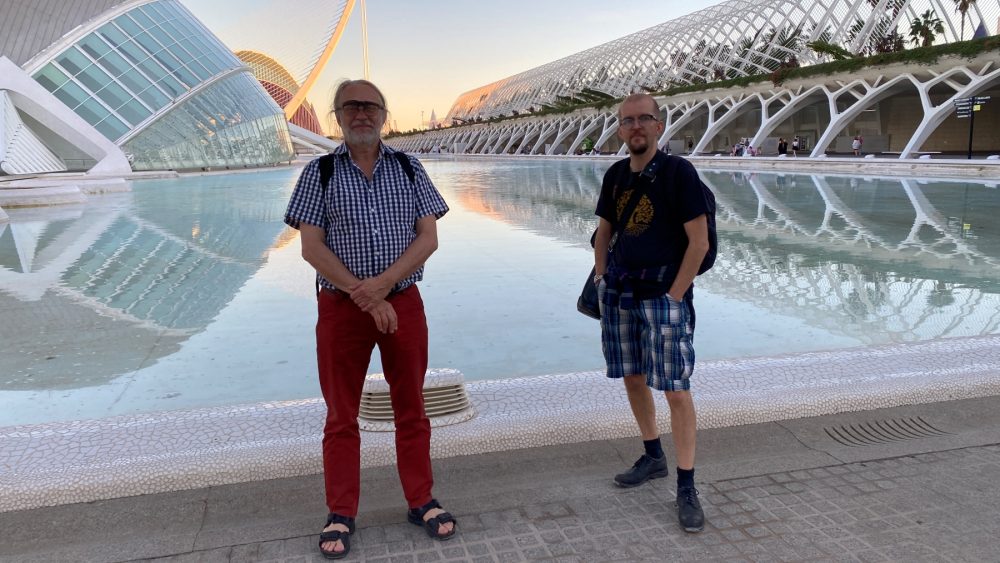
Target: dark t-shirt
column 654, row 235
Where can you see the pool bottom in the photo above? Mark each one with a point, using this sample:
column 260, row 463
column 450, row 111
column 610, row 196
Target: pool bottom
column 71, row 462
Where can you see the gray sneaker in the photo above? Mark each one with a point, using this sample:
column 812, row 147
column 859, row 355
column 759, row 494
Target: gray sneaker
column 645, row 469
column 689, row 510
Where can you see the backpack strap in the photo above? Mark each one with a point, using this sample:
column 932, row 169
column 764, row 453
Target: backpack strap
column 649, row 174
column 327, row 164
column 623, row 182
column 404, row 162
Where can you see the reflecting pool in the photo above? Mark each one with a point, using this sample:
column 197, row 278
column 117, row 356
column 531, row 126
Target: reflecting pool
column 192, row 292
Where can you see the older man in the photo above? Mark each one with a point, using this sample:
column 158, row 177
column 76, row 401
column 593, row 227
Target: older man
column 655, row 206
column 367, row 217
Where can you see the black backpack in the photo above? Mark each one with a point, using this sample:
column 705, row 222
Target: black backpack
column 713, row 236
column 326, row 163
column 670, row 171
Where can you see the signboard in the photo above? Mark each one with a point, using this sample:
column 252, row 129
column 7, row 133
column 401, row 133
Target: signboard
column 967, row 107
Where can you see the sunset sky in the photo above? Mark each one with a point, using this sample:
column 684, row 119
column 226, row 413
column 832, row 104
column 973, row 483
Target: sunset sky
column 425, row 54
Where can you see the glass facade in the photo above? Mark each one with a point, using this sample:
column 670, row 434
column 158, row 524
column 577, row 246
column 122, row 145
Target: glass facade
column 122, row 77
column 230, row 123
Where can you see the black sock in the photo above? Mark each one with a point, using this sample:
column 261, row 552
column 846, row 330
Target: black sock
column 685, row 477
column 653, row 448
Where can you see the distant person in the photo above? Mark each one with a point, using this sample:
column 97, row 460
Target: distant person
column 856, row 144
column 782, row 146
column 647, row 324
column 368, row 232
column 690, row 145
column 795, row 145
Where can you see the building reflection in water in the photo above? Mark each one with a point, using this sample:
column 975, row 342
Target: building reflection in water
column 875, row 259
column 89, row 293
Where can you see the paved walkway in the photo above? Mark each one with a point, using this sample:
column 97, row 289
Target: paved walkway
column 916, row 483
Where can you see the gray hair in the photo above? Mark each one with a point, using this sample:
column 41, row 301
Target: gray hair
column 360, row 82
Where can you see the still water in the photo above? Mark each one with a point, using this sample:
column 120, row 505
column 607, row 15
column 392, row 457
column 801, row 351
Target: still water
column 191, row 292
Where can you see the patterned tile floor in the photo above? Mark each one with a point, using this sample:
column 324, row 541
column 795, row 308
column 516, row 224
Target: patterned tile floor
column 929, row 507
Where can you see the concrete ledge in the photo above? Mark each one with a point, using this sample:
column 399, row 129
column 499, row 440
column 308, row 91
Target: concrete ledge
column 52, row 195
column 62, row 463
column 57, row 189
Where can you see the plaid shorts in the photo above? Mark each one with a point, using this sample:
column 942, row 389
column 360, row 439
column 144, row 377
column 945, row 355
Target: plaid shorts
column 654, row 339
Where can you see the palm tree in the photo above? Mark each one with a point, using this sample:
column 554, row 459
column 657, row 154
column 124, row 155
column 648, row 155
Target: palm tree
column 782, row 46
column 824, row 48
column 883, row 35
column 962, row 7
column 924, row 28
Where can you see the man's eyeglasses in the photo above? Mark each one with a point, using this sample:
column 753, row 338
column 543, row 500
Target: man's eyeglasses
column 352, row 107
column 644, row 119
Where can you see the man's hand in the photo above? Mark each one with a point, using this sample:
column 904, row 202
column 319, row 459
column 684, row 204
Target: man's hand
column 385, row 317
column 368, row 292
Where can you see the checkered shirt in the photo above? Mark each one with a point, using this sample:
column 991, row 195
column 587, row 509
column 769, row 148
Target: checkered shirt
column 368, row 224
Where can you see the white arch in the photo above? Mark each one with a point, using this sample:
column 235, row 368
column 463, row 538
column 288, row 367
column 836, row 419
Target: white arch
column 31, row 98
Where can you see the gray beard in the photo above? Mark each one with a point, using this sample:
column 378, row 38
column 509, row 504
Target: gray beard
column 361, row 139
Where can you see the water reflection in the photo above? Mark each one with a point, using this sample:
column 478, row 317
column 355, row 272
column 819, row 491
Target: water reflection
column 553, row 198
column 90, row 293
column 875, row 259
column 181, row 284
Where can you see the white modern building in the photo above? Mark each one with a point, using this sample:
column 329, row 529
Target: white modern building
column 113, row 85
column 901, row 110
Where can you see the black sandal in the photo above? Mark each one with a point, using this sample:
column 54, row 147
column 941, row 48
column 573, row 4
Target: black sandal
column 337, row 535
column 416, row 516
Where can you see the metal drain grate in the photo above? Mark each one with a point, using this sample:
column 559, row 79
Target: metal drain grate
column 445, row 401
column 439, row 401
column 883, row 431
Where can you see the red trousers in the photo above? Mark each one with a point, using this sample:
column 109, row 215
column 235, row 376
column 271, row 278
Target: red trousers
column 345, row 337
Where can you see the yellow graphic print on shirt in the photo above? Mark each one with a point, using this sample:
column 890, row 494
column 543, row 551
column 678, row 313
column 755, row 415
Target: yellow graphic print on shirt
column 641, row 218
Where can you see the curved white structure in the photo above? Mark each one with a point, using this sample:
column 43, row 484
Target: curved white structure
column 22, row 151
column 147, row 76
column 301, row 45
column 735, row 38
column 901, row 110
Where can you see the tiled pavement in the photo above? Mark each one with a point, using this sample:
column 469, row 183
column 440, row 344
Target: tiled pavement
column 779, row 491
column 930, row 507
